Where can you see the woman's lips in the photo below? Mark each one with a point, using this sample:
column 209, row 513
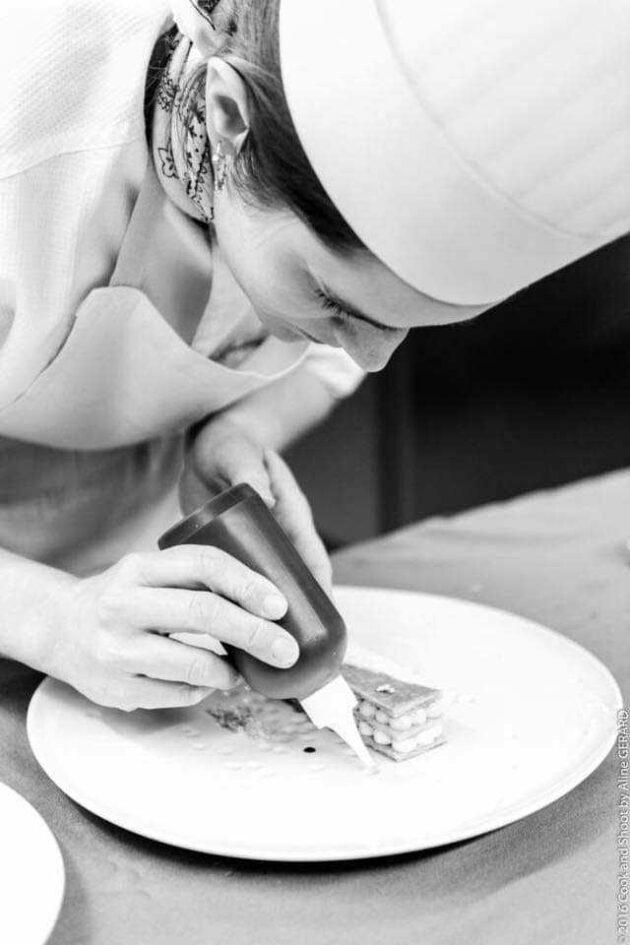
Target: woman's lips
column 305, row 334
column 288, row 332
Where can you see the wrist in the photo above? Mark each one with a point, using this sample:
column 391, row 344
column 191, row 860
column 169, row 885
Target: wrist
column 209, row 433
column 55, row 616
column 275, row 416
column 36, row 608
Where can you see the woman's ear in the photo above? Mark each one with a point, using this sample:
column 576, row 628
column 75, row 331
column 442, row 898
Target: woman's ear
column 227, row 106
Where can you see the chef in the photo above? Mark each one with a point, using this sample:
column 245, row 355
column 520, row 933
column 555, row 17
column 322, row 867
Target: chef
column 215, row 217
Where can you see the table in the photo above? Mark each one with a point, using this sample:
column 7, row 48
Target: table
column 559, row 558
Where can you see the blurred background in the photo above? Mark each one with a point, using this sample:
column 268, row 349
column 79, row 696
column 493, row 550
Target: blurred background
column 532, row 394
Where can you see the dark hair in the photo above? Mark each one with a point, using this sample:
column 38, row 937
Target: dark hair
column 272, row 168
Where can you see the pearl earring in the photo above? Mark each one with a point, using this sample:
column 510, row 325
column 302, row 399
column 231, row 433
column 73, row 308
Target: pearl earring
column 220, row 164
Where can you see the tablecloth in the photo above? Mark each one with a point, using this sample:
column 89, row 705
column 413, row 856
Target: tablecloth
column 559, row 557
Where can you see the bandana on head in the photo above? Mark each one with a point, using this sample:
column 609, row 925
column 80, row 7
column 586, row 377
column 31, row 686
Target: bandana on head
column 180, row 143
column 230, row 331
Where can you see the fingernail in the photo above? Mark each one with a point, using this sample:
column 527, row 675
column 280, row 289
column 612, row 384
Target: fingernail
column 233, row 680
column 274, row 606
column 265, row 495
column 285, row 651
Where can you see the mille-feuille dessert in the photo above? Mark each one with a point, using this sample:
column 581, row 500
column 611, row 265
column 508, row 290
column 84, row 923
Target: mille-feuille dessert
column 397, row 718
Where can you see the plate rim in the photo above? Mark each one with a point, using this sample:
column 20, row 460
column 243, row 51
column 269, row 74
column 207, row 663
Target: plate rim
column 54, row 849
column 478, row 827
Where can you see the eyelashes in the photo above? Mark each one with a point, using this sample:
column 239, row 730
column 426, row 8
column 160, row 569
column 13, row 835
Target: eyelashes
column 330, row 305
column 350, row 317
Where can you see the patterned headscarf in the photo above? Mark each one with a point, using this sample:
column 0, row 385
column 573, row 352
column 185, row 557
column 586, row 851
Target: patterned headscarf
column 180, row 143
column 229, row 331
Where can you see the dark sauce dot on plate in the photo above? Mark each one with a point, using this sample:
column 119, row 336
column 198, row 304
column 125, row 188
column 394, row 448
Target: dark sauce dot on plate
column 309, row 749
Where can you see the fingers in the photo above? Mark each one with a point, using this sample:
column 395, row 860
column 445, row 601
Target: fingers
column 200, row 565
column 142, row 693
column 236, row 459
column 170, row 610
column 294, row 514
column 161, row 603
column 164, row 659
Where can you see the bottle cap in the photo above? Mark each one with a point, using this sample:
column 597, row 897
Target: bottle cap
column 331, row 707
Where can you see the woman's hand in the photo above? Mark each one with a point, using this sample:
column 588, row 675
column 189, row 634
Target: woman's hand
column 110, row 639
column 224, row 454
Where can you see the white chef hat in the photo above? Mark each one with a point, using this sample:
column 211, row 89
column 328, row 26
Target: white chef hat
column 474, row 145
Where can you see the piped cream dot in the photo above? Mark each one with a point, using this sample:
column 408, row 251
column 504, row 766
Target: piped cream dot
column 435, row 710
column 429, row 735
column 401, row 724
column 420, row 716
column 404, row 745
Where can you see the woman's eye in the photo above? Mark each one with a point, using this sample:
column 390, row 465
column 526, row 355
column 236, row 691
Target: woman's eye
column 330, row 304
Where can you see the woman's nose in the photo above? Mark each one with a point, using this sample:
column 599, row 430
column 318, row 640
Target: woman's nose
column 371, row 347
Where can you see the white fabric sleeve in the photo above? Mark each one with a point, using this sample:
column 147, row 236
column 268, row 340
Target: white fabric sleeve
column 335, row 369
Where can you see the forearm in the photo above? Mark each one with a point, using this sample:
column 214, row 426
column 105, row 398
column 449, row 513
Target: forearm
column 31, row 602
column 282, row 412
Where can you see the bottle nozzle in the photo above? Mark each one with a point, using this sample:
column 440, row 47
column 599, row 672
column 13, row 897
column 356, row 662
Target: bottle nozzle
column 331, row 707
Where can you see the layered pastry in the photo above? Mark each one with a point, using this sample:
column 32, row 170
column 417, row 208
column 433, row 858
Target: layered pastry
column 400, row 719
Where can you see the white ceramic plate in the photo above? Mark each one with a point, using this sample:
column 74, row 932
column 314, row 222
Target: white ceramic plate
column 534, row 714
column 31, row 873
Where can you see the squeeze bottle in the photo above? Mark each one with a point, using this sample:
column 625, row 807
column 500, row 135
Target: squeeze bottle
column 238, row 522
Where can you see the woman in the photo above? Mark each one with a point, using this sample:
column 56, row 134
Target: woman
column 295, row 154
